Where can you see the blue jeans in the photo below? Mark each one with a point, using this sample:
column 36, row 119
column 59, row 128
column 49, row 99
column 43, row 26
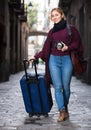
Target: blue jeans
column 61, row 72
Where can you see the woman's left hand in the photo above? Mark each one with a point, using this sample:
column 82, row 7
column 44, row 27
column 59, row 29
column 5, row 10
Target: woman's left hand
column 65, row 47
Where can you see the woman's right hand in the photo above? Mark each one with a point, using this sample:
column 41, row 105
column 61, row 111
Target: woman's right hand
column 32, row 59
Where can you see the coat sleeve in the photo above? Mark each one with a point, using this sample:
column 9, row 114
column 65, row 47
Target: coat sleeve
column 76, row 42
column 45, row 52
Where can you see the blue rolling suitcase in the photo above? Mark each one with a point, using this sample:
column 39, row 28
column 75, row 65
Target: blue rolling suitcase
column 36, row 94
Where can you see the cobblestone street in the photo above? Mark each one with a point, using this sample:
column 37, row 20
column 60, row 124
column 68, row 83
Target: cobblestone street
column 14, row 117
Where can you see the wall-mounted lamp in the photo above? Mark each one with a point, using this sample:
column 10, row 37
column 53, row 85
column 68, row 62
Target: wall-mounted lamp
column 30, row 4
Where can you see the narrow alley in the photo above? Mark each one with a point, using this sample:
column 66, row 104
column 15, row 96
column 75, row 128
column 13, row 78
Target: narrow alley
column 14, row 117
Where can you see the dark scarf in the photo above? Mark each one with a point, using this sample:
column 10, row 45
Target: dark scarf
column 59, row 26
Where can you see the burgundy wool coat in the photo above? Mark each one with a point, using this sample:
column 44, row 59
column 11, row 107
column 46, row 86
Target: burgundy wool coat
column 75, row 44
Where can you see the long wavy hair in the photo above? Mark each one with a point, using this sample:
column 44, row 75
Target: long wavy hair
column 58, row 10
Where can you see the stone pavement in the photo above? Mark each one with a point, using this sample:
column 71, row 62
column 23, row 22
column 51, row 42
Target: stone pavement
column 14, row 117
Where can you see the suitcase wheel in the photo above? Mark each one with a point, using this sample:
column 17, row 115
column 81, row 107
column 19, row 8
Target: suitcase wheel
column 30, row 115
column 38, row 115
column 46, row 115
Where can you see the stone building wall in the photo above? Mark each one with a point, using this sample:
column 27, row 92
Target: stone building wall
column 4, row 41
column 11, row 38
column 80, row 15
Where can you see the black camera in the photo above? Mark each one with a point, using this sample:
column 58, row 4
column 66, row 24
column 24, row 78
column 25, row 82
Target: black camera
column 59, row 45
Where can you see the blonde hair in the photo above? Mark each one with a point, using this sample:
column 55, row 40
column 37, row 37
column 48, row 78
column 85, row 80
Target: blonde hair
column 58, row 10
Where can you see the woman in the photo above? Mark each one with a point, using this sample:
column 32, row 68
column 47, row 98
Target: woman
column 56, row 54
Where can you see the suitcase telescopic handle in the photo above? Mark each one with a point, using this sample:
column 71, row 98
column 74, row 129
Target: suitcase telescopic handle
column 25, row 62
